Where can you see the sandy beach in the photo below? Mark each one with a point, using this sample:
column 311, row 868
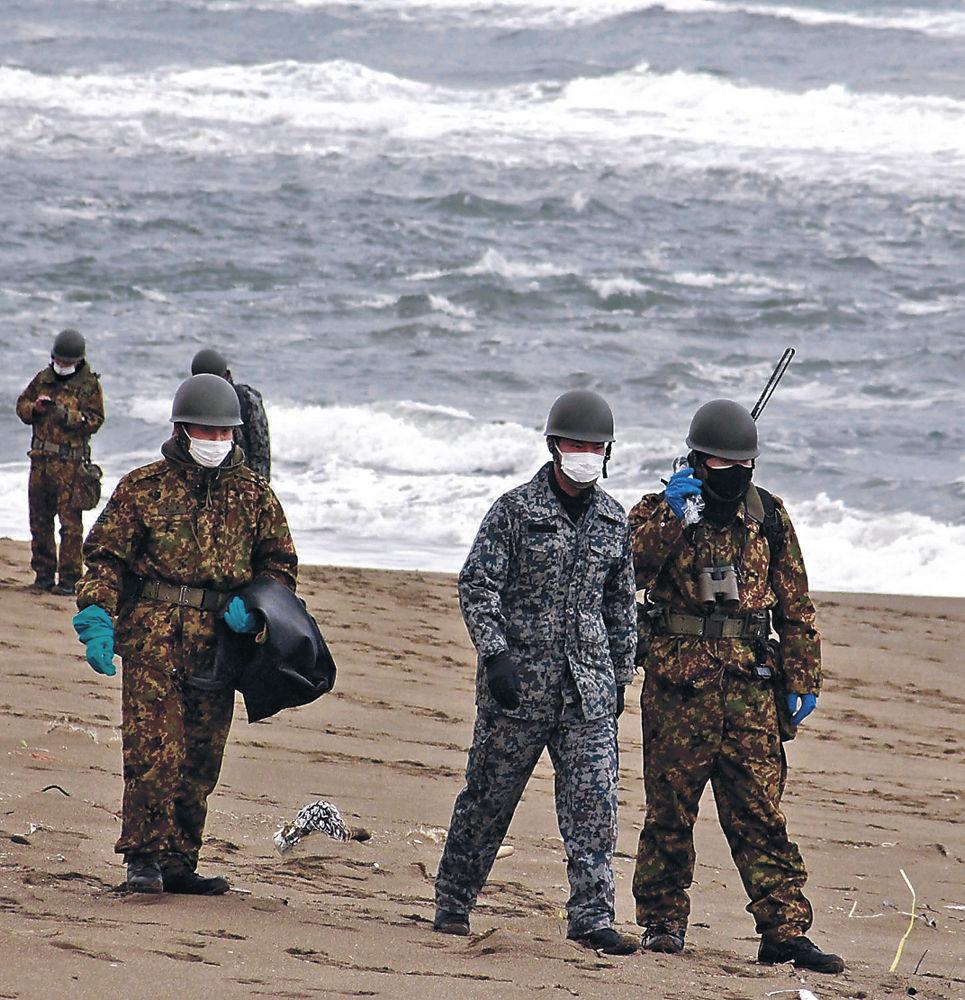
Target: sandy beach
column 876, row 785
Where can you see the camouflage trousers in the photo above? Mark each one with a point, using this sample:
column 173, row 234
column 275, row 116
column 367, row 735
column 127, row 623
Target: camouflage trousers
column 174, row 734
column 727, row 734
column 50, row 494
column 502, row 757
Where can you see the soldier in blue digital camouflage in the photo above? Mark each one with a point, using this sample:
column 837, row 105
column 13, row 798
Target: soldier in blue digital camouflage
column 547, row 594
column 252, row 434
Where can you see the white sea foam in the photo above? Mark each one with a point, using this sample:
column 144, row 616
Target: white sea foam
column 441, row 304
column 750, row 284
column 687, row 120
column 556, row 13
column 609, row 287
column 493, row 262
column 406, row 485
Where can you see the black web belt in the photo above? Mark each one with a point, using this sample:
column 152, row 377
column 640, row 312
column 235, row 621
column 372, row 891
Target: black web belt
column 52, row 448
column 187, row 597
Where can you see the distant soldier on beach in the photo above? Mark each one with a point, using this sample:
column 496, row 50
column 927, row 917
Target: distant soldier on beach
column 175, row 541
column 548, row 597
column 64, row 406
column 721, row 566
column 252, row 435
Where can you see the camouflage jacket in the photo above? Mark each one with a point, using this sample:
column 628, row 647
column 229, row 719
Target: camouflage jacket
column 76, row 410
column 667, row 560
column 252, row 436
column 558, row 596
column 177, row 522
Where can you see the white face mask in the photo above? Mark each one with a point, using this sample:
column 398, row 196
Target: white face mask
column 64, row 370
column 209, row 454
column 581, row 466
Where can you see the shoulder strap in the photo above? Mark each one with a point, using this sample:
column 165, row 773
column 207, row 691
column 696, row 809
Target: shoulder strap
column 772, row 526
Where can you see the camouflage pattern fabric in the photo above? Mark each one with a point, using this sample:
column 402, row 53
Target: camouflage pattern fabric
column 706, row 716
column 667, row 560
column 173, row 734
column 558, row 597
column 725, row 734
column 504, row 752
column 76, row 411
column 50, row 493
column 216, row 529
column 252, row 436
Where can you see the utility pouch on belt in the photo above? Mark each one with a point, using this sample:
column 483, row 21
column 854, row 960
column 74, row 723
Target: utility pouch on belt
column 87, row 485
column 770, row 658
column 650, row 622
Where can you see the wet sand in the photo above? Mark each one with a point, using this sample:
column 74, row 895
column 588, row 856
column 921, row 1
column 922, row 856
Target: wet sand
column 876, row 785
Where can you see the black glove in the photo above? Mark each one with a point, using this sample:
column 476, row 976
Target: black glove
column 621, row 694
column 503, row 680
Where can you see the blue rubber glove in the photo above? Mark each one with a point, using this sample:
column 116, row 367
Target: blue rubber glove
column 95, row 630
column 808, row 704
column 681, row 486
column 238, row 618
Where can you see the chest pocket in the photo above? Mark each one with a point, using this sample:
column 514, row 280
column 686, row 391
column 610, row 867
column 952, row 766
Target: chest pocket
column 542, row 549
column 169, row 528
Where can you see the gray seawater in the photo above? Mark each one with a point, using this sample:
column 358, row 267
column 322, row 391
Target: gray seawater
column 411, row 225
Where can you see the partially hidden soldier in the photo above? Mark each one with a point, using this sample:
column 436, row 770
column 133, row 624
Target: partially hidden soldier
column 721, row 566
column 64, row 406
column 548, row 598
column 252, row 434
column 165, row 558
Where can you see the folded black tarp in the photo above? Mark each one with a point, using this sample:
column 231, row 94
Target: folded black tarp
column 293, row 666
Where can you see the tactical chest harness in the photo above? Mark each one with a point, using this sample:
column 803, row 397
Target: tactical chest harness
column 753, row 625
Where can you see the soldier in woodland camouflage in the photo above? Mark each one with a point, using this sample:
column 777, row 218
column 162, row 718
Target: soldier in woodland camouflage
column 64, row 406
column 547, row 595
column 709, row 710
column 252, row 434
column 174, row 542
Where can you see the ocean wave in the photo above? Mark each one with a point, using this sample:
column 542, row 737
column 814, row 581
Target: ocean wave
column 492, row 262
column 694, row 120
column 521, row 14
column 406, row 484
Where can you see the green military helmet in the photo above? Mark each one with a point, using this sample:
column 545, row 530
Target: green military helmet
column 724, row 429
column 207, row 400
column 580, row 415
column 69, row 345
column 209, row 361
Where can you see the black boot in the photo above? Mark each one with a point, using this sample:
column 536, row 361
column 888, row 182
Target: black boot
column 43, row 583
column 606, row 940
column 192, row 884
column 447, row 922
column 65, row 588
column 144, row 873
column 802, row 951
column 663, row 939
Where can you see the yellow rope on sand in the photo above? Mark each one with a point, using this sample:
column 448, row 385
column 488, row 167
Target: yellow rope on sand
column 911, row 923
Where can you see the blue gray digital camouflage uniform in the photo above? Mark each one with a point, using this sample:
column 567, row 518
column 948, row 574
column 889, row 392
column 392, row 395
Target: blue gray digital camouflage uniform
column 559, row 598
column 252, row 436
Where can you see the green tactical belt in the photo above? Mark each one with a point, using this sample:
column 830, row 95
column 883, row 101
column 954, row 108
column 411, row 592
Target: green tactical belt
column 187, row 597
column 755, row 625
column 60, row 450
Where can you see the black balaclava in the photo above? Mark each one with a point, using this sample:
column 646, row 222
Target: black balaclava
column 723, row 490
